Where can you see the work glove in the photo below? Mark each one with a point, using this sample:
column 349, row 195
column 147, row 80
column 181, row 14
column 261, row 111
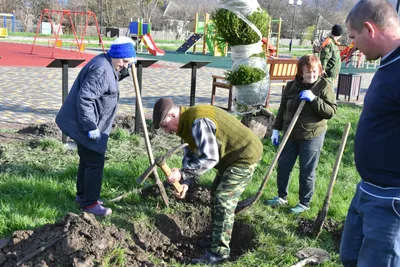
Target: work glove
column 275, row 137
column 94, row 134
column 307, row 95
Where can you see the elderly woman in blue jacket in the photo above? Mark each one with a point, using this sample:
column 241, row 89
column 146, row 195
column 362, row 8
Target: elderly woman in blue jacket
column 87, row 116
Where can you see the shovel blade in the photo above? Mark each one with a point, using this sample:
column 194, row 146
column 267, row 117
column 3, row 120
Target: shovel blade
column 245, row 204
column 320, row 255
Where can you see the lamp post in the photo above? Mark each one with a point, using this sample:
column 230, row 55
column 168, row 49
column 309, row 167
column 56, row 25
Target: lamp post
column 298, row 3
column 101, row 20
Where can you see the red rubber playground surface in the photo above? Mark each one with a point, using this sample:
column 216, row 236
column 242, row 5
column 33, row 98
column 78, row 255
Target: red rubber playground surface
column 19, row 55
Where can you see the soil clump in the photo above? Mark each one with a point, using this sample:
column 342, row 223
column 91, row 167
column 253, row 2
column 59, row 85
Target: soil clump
column 81, row 240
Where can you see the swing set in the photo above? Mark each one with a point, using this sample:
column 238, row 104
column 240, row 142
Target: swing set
column 77, row 44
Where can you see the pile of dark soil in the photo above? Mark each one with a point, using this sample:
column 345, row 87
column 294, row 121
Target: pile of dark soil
column 51, row 129
column 125, row 122
column 191, row 229
column 48, row 130
column 80, row 240
column 73, row 241
column 29, row 132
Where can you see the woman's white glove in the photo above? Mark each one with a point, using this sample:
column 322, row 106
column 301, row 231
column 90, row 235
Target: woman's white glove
column 275, row 137
column 94, row 134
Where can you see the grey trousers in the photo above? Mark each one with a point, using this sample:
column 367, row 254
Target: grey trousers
column 308, row 152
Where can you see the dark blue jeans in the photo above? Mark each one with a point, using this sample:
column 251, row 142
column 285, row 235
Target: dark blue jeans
column 371, row 235
column 308, row 152
column 90, row 175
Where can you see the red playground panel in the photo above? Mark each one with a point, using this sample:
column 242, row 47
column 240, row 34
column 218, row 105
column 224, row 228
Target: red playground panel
column 19, row 55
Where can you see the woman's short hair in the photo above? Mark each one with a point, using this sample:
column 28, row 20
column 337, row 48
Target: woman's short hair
column 310, row 61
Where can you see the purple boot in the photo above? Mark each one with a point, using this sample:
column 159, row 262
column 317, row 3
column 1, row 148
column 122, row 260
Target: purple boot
column 97, row 209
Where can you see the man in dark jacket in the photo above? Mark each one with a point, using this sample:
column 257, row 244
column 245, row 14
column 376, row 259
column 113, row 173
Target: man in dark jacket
column 87, row 116
column 330, row 54
column 371, row 235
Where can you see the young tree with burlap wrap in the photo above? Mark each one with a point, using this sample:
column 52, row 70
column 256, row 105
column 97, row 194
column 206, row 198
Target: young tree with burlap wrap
column 240, row 24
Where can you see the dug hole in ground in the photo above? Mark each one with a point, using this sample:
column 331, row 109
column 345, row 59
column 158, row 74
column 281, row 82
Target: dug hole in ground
column 81, row 240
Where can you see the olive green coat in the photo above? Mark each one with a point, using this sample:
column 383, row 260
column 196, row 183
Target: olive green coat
column 314, row 116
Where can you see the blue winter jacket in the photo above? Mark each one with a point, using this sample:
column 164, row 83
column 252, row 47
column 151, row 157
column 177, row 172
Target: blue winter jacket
column 91, row 103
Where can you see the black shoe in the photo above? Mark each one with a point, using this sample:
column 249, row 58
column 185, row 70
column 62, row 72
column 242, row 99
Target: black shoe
column 211, row 258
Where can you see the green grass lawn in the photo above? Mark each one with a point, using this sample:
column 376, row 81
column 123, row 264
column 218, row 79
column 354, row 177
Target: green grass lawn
column 37, row 185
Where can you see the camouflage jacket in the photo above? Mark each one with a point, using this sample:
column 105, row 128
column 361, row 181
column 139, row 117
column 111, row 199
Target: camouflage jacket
column 330, row 58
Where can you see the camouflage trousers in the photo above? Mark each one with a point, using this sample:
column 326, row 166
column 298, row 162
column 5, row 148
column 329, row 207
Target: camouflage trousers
column 227, row 188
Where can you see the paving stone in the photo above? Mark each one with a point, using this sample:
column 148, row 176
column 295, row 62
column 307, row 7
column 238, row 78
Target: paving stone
column 32, row 95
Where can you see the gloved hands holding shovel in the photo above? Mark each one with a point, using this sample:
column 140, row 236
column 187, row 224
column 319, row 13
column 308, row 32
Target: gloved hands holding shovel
column 175, row 177
column 307, row 95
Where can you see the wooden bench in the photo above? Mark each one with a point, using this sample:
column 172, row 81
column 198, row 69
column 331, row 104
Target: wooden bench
column 282, row 70
column 220, row 81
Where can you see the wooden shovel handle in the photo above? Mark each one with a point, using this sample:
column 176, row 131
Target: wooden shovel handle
column 167, row 171
column 146, row 135
column 319, row 222
column 245, row 204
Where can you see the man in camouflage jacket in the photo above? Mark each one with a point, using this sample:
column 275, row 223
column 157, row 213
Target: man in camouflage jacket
column 330, row 54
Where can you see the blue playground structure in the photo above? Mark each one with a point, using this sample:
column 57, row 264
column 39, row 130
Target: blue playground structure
column 140, row 31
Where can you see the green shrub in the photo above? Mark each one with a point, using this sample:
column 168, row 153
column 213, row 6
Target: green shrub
column 244, row 74
column 235, row 31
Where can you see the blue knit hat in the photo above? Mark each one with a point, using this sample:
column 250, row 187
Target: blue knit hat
column 122, row 47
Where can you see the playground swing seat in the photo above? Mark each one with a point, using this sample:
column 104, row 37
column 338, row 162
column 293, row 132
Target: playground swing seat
column 3, row 32
column 57, row 43
column 74, row 47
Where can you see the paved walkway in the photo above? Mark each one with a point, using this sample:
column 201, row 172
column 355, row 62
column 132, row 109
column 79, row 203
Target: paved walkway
column 32, row 95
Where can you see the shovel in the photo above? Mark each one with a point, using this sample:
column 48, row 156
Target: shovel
column 247, row 203
column 311, row 255
column 147, row 141
column 319, row 222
